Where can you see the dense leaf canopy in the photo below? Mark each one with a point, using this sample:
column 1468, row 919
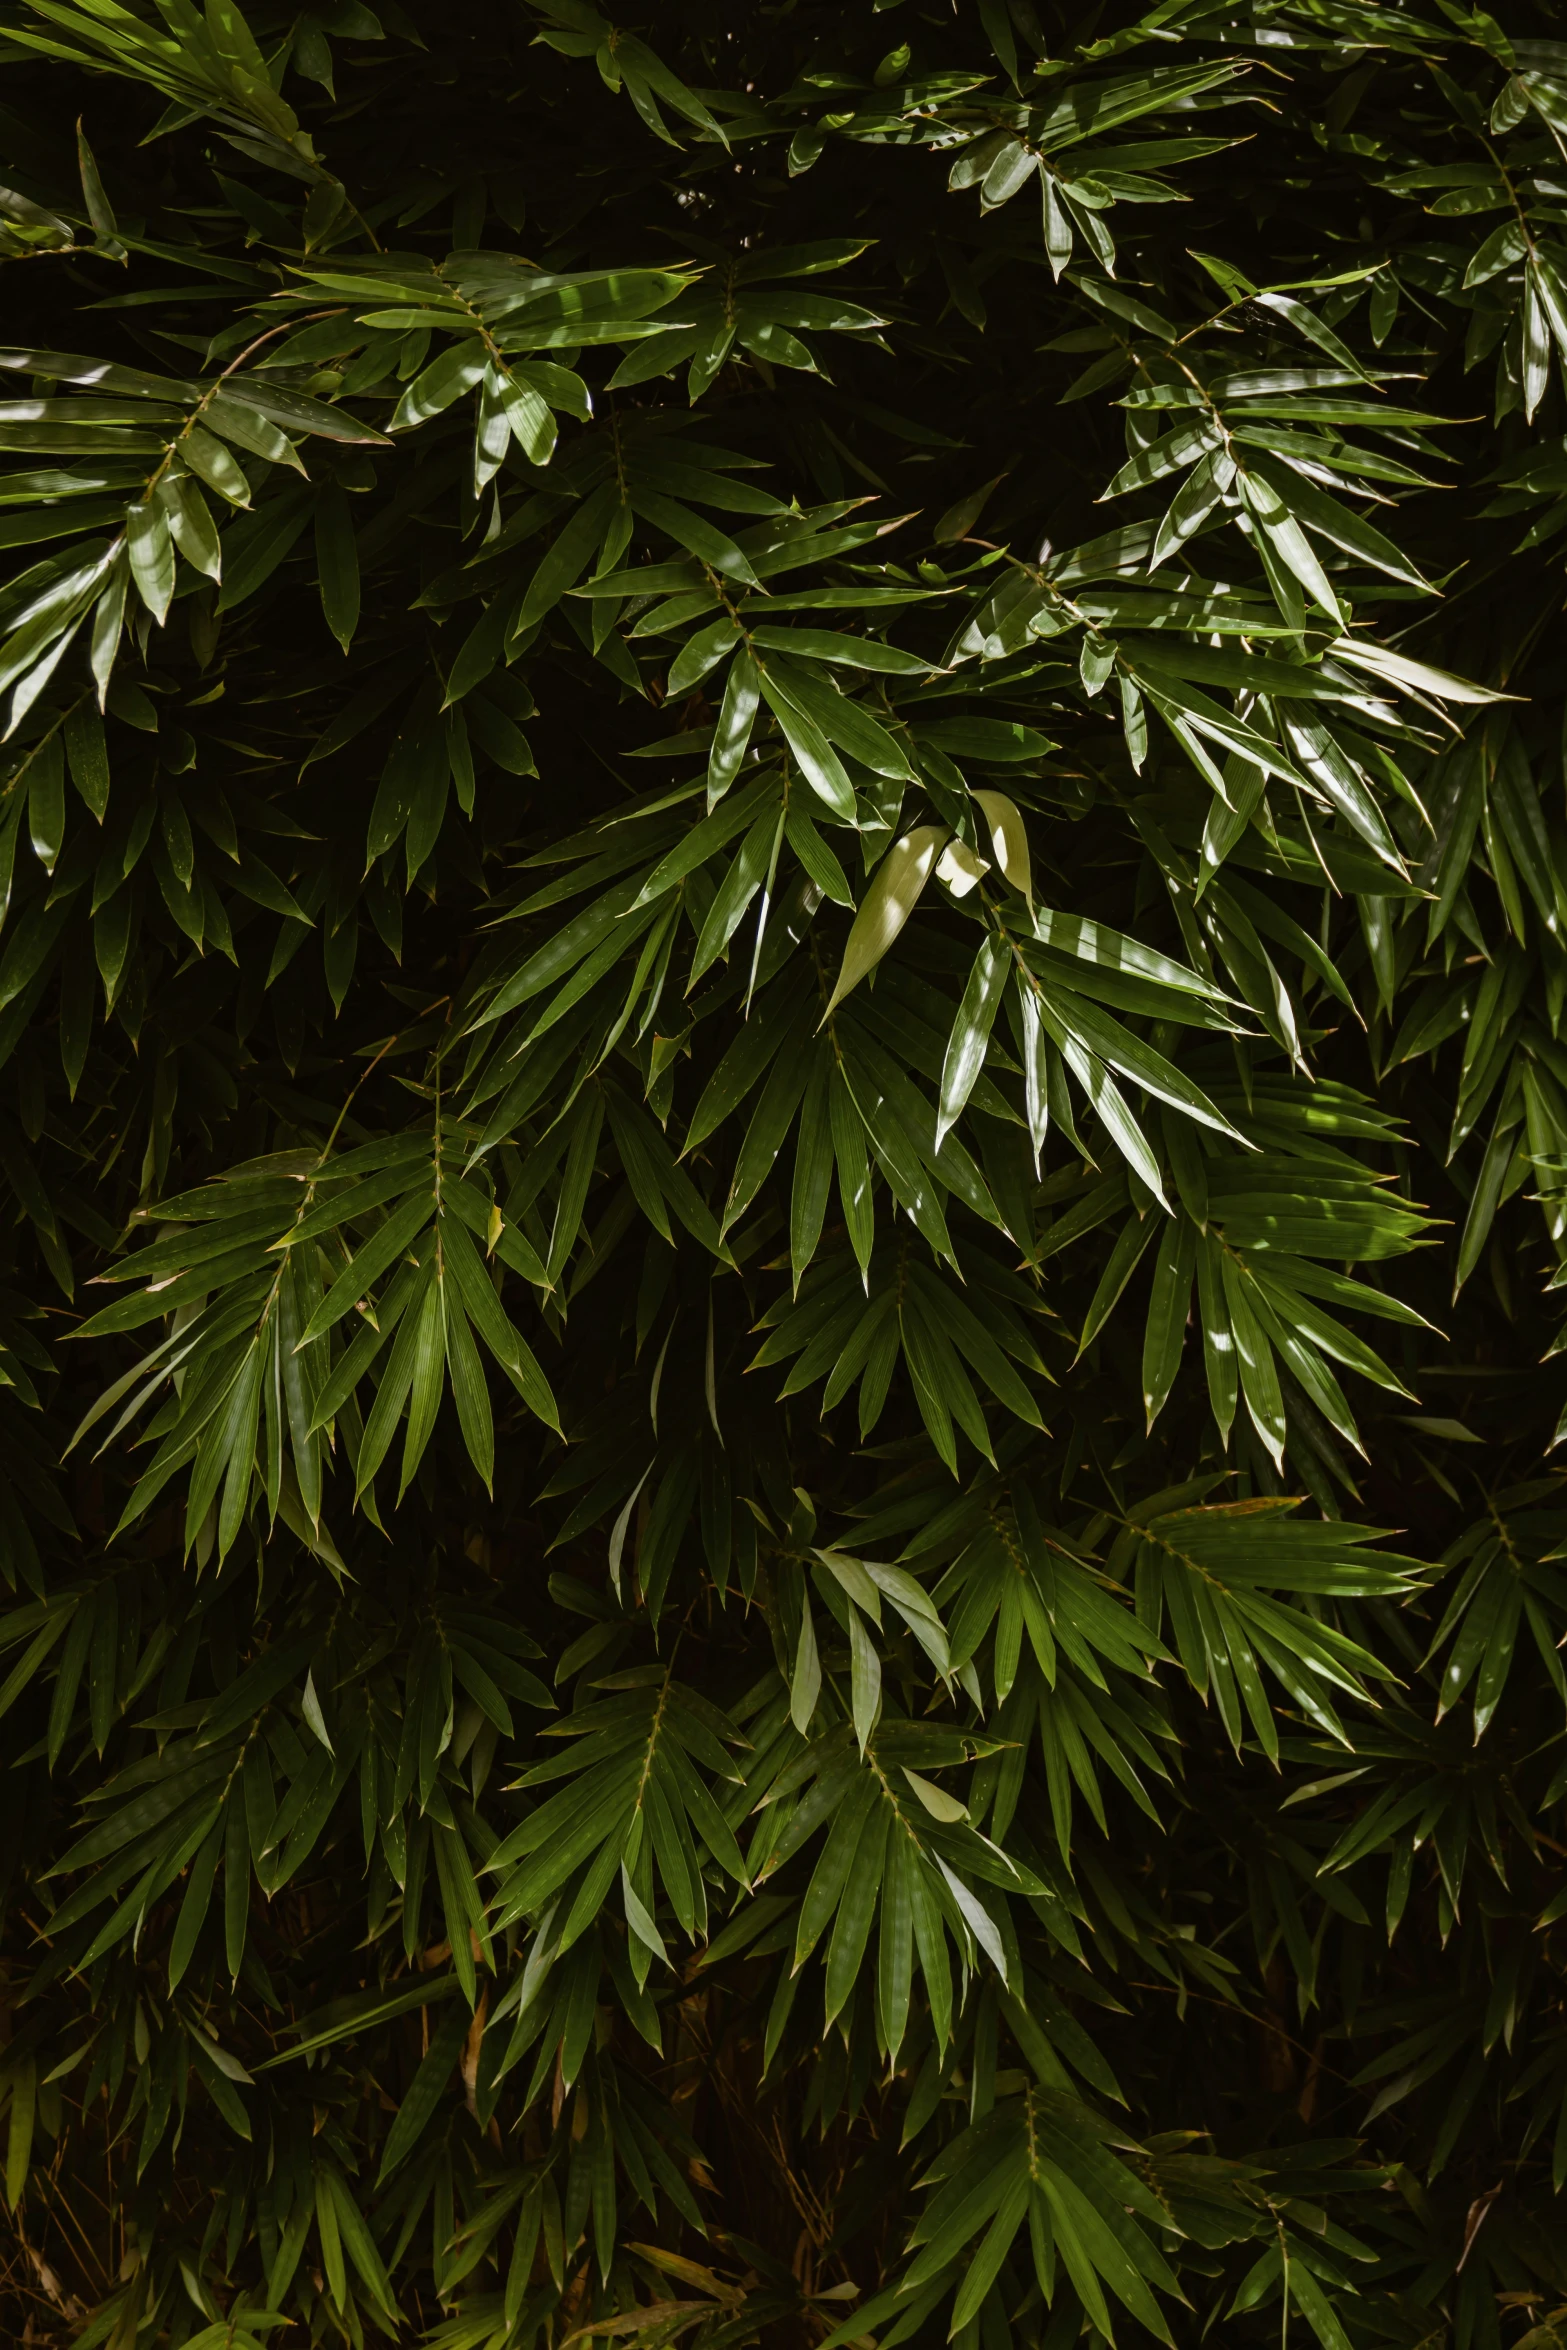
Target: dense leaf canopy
column 784, row 1140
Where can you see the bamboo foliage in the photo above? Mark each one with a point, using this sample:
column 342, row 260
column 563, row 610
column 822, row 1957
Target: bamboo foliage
column 782, row 885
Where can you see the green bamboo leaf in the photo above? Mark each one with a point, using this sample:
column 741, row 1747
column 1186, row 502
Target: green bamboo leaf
column 337, row 563
column 412, row 1348
column 190, row 524
column 357, row 2239
column 1008, row 839
column 1131, row 1242
column 221, row 471
column 427, row 1375
column 894, row 892
column 19, row 2138
column 865, row 1677
column 1168, row 1305
column 736, row 717
column 817, row 760
column 369, row 1264
column 805, row 1679
column 1254, row 1361
column 1218, row 1337
column 193, row 1908
column 965, row 1055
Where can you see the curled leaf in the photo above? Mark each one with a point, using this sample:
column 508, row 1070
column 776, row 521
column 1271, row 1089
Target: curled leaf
column 960, row 868
column 1008, row 839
